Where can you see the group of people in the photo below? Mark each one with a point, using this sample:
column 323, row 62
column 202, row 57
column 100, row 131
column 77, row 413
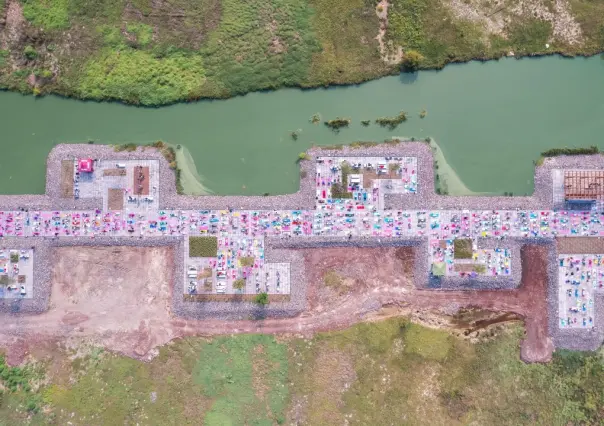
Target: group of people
column 579, row 277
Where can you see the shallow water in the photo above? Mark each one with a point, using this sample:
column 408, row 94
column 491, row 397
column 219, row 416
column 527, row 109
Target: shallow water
column 491, row 120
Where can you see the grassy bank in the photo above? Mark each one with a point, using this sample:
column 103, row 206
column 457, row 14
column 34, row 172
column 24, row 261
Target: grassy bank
column 155, row 53
column 375, row 373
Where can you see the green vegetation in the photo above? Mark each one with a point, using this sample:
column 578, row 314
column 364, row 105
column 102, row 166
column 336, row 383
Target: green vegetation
column 153, row 53
column 462, row 248
column 261, row 299
column 347, row 51
column 412, row 60
column 203, row 246
column 128, row 147
column 340, row 190
column 303, row 156
column 166, row 150
column 14, row 257
column 47, row 14
column 555, row 152
column 337, row 123
column 371, row 373
column 230, row 380
column 142, row 34
column 30, row 53
column 19, row 391
column 247, row 261
column 362, row 144
column 239, row 284
column 480, row 269
column 141, row 78
column 3, row 55
column 392, row 122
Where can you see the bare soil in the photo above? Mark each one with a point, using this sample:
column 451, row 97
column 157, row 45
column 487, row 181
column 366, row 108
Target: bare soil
column 67, row 179
column 119, row 298
column 115, row 199
column 141, row 180
column 114, row 172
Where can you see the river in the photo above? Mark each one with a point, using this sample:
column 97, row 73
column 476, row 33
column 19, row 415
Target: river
column 491, row 120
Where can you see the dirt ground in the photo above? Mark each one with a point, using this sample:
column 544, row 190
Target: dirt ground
column 115, row 199
column 67, row 179
column 119, row 298
column 140, row 180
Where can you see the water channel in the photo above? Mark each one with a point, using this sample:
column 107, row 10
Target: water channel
column 491, row 120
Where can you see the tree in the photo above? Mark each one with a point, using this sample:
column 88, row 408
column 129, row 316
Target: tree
column 29, row 52
column 412, row 60
column 261, row 299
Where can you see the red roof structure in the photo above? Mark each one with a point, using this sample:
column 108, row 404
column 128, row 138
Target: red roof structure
column 85, row 165
column 587, row 185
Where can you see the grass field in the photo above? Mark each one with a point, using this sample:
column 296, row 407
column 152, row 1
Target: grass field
column 390, row 372
column 159, row 52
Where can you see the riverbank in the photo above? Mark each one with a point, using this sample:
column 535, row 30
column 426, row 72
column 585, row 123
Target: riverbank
column 157, row 54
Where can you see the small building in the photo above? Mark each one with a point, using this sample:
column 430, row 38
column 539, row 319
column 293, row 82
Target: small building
column 85, row 165
column 583, row 186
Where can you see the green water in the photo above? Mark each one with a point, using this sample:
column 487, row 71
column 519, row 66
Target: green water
column 490, row 120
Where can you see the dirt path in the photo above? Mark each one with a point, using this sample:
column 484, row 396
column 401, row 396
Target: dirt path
column 102, row 295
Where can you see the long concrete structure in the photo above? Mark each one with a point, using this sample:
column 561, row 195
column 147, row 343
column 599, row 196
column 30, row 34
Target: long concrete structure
column 388, row 199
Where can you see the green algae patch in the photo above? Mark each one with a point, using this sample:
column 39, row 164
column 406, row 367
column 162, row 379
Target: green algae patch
column 141, row 78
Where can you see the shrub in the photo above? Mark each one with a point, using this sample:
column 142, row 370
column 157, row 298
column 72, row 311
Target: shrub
column 14, row 257
column 412, row 60
column 203, row 246
column 30, row 53
column 142, row 32
column 239, row 284
column 392, row 122
column 128, row 147
column 261, row 299
column 338, row 123
column 138, row 77
column 570, row 151
column 247, row 260
column 50, row 15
